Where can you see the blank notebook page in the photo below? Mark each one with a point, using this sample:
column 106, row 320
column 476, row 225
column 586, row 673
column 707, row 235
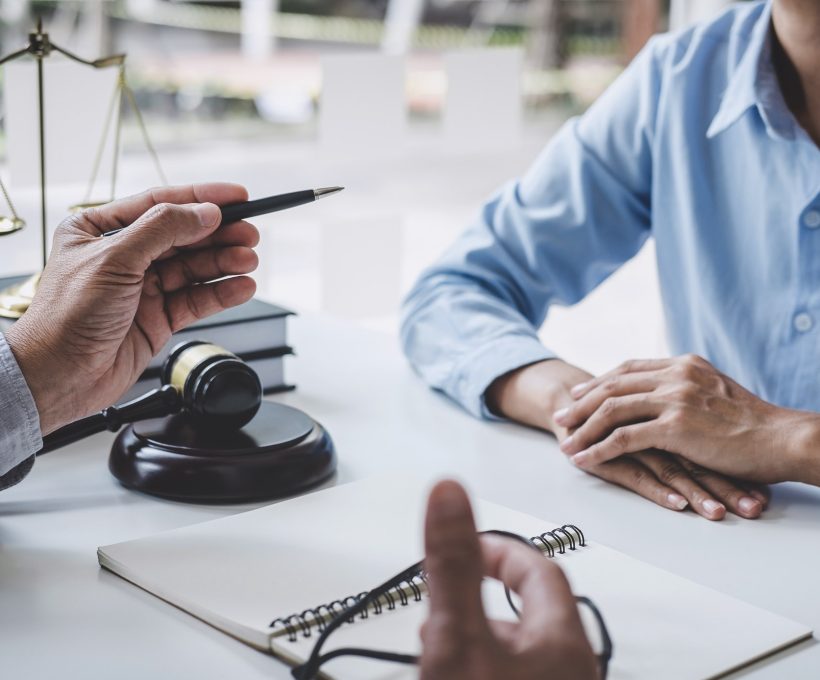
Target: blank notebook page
column 241, row 572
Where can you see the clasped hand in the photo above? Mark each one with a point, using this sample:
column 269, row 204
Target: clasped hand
column 676, row 431
column 683, row 406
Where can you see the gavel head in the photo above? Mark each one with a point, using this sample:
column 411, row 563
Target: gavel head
column 217, row 387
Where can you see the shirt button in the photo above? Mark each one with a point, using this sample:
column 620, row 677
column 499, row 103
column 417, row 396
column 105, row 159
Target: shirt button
column 803, row 322
column 812, row 219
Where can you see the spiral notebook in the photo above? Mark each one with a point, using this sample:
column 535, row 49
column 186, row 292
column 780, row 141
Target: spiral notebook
column 269, row 576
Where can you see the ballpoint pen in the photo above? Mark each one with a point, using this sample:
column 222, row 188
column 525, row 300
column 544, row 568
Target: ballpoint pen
column 262, row 206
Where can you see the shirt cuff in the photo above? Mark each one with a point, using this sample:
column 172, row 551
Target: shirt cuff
column 480, row 369
column 20, row 436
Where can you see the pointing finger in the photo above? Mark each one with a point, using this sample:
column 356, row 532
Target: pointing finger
column 453, row 558
column 122, row 212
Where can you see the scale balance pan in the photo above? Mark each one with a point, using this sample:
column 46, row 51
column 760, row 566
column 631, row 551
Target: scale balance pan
column 280, row 452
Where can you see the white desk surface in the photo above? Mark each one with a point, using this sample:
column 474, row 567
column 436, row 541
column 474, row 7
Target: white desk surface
column 62, row 616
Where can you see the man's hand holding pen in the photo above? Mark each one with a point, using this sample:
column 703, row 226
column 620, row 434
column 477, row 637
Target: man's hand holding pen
column 105, row 306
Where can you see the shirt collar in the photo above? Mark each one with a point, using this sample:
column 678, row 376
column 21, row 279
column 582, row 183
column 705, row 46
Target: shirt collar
column 754, row 84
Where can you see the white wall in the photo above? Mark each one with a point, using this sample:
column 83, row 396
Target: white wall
column 683, row 13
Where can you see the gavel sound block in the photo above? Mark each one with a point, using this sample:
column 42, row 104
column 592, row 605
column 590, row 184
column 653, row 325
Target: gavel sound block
column 206, row 436
column 279, row 452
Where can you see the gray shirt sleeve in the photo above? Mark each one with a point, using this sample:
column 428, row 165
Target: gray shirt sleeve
column 20, row 435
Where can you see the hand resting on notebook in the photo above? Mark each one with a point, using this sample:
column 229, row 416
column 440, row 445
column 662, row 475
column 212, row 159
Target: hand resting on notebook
column 459, row 642
column 105, row 306
column 583, row 411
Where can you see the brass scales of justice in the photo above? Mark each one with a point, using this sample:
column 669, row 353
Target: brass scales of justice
column 14, row 300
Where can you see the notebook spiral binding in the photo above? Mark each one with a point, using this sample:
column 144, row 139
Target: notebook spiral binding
column 318, row 617
column 567, row 537
column 557, row 541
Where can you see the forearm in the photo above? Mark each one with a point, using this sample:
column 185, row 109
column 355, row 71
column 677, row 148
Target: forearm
column 547, row 239
column 20, row 434
column 532, row 394
column 460, row 338
column 49, row 384
column 803, row 449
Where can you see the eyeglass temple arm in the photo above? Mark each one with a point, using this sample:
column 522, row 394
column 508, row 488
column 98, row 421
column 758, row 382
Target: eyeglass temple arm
column 308, row 670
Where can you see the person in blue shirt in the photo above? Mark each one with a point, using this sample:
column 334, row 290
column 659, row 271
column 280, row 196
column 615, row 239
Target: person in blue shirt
column 708, row 143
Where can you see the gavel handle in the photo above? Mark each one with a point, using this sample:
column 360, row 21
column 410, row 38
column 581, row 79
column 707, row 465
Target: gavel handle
column 164, row 401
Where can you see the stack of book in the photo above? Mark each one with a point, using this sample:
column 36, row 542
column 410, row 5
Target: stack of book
column 256, row 332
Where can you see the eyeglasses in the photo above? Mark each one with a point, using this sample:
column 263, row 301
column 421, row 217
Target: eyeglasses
column 310, row 669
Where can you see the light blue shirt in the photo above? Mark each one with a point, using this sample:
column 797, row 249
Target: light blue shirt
column 694, row 146
column 19, row 421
